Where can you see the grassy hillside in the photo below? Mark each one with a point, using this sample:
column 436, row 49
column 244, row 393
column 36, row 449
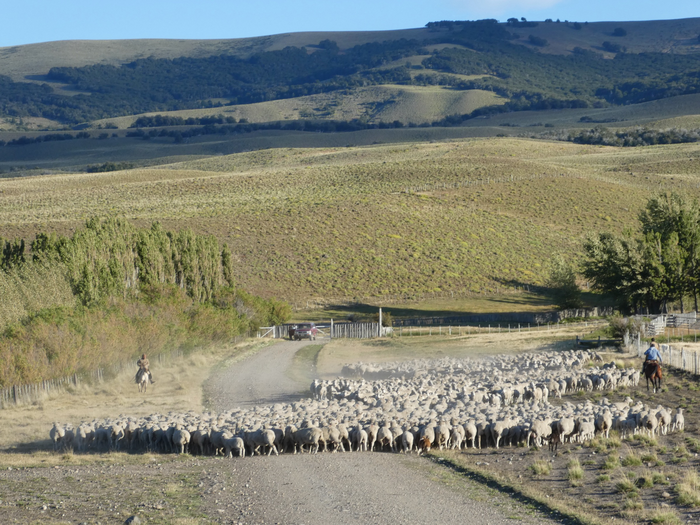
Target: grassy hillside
column 417, row 104
column 529, row 65
column 338, row 222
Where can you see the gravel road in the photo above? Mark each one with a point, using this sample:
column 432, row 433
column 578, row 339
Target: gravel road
column 345, row 488
column 262, row 379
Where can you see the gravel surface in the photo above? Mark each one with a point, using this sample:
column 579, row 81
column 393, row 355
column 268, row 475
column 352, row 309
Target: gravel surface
column 261, row 379
column 345, row 488
column 325, row 488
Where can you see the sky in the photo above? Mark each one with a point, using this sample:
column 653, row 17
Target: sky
column 32, row 21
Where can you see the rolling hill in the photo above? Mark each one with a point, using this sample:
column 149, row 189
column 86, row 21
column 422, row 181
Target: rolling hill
column 435, row 74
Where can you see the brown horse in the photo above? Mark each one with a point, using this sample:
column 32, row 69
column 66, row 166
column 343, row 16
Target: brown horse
column 652, row 371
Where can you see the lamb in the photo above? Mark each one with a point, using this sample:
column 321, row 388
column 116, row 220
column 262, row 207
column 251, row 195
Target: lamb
column 678, row 421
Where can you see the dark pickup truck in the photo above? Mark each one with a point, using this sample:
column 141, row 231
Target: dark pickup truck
column 304, row 331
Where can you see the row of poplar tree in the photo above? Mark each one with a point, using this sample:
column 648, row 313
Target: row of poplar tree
column 658, row 264
column 111, row 257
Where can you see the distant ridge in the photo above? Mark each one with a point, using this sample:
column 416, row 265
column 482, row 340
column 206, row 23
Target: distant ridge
column 25, row 62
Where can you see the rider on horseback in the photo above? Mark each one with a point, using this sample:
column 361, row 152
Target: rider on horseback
column 143, row 364
column 652, row 354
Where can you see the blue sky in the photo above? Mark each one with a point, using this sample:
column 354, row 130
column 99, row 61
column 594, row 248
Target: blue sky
column 30, row 21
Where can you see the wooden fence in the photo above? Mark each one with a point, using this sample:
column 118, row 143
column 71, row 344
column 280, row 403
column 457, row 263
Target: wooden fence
column 30, row 393
column 675, row 357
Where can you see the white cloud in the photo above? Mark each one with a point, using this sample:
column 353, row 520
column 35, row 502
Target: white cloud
column 498, row 7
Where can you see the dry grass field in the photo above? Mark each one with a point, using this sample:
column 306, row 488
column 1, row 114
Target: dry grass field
column 339, row 223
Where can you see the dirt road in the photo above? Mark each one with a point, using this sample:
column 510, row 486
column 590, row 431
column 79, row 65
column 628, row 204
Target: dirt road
column 348, row 488
column 262, row 379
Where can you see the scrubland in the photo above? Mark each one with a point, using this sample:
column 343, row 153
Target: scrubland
column 474, row 215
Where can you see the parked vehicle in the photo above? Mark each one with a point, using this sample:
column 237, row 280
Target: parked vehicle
column 304, row 331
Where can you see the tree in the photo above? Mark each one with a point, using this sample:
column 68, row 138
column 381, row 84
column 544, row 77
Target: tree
column 619, row 32
column 677, row 221
column 562, row 282
column 658, row 266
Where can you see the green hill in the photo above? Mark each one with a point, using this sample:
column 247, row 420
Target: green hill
column 475, row 215
column 529, row 65
column 385, row 103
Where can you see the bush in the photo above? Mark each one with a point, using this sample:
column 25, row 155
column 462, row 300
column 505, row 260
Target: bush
column 541, row 468
column 688, row 490
column 562, row 283
column 538, row 41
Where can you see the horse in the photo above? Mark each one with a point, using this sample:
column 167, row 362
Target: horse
column 652, row 371
column 142, row 378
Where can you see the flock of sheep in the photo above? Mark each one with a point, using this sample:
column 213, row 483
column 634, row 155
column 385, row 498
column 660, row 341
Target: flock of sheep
column 409, row 406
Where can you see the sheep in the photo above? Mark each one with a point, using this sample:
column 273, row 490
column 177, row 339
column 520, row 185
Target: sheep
column 57, row 434
column 470, row 400
column 233, row 443
column 360, row 439
column 603, row 423
column 407, row 441
column 307, row 436
column 442, row 435
column 385, row 438
column 261, row 438
column 181, row 439
column 539, row 430
column 457, row 437
column 678, row 421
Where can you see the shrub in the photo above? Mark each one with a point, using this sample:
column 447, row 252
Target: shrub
column 625, row 486
column 611, row 463
column 666, row 517
column 688, row 490
column 538, row 41
column 631, row 460
column 541, row 468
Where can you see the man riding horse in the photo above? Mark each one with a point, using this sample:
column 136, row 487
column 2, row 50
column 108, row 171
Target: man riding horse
column 143, row 364
column 652, row 355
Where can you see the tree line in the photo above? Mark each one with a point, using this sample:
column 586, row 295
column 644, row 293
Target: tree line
column 111, row 291
column 659, row 264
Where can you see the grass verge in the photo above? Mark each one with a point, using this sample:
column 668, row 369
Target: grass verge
column 556, row 508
